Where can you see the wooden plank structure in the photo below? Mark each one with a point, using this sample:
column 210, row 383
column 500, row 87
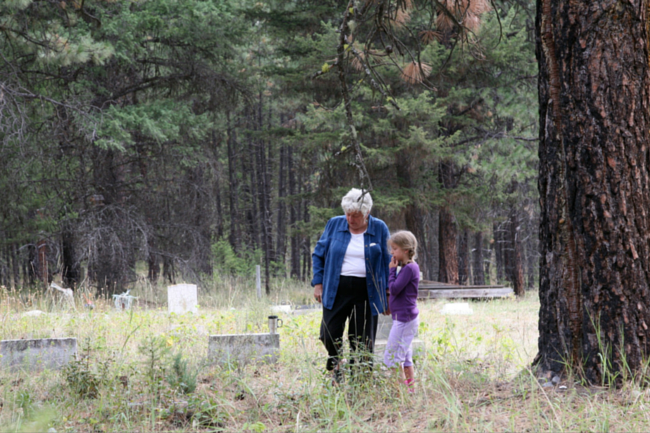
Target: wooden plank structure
column 438, row 290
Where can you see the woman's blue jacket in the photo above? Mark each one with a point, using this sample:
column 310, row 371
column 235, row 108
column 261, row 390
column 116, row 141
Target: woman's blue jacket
column 328, row 259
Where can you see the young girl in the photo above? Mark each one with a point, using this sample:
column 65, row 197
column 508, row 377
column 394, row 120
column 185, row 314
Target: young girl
column 402, row 301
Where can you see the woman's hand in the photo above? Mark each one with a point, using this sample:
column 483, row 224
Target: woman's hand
column 393, row 263
column 318, row 293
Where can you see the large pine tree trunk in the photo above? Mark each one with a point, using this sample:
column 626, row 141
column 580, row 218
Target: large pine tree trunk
column 594, row 233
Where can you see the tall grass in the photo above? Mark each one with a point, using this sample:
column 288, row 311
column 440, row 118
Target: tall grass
column 472, row 376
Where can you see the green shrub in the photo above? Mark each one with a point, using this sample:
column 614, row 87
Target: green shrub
column 181, row 375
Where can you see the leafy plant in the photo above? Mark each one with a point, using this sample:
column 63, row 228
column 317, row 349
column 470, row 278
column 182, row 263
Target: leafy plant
column 81, row 379
column 155, row 349
column 181, row 375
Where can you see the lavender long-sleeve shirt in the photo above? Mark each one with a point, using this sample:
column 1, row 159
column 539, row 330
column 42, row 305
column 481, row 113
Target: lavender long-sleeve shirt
column 403, row 290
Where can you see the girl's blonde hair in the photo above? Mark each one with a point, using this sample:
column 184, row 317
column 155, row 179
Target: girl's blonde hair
column 406, row 240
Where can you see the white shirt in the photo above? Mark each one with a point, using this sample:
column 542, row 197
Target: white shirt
column 354, row 263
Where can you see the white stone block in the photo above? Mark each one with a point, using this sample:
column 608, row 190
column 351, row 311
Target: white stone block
column 182, row 298
column 242, row 349
column 37, row 354
column 281, row 308
column 33, row 313
column 457, row 308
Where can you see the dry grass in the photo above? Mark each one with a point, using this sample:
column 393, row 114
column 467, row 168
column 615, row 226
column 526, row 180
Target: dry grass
column 473, row 375
column 415, row 73
column 466, row 12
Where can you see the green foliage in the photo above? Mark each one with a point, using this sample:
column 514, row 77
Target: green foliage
column 81, row 379
column 155, row 350
column 228, row 262
column 181, row 376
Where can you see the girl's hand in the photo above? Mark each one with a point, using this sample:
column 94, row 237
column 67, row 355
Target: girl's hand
column 393, row 263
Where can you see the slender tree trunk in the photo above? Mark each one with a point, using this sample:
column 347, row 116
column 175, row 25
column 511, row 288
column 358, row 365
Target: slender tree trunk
column 498, row 252
column 448, row 248
column 594, row 85
column 235, row 233
column 217, row 185
column 530, row 262
column 32, row 264
column 15, row 264
column 70, row 272
column 463, row 258
column 43, row 269
column 169, row 271
column 281, row 232
column 477, row 262
column 447, row 230
column 263, row 194
column 488, row 262
column 293, row 216
column 517, row 262
column 306, row 244
column 253, row 214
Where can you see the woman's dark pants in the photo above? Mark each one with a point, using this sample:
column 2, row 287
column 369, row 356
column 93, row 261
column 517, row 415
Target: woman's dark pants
column 351, row 303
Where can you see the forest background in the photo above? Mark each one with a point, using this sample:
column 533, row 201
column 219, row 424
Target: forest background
column 200, row 138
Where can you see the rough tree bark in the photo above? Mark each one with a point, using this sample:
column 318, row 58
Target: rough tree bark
column 595, row 252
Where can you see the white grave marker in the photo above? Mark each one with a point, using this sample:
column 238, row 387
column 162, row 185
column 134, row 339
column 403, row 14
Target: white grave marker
column 182, row 298
column 457, row 308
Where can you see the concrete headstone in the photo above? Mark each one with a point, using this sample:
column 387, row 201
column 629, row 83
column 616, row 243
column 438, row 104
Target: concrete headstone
column 182, row 298
column 51, row 353
column 243, row 349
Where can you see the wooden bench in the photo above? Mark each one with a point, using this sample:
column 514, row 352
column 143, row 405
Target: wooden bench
column 438, row 290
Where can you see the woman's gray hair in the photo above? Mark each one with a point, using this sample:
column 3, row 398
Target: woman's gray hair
column 357, row 201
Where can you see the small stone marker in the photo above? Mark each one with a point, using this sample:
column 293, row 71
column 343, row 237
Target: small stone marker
column 281, row 308
column 182, row 298
column 457, row 308
column 244, row 348
column 33, row 313
column 51, row 353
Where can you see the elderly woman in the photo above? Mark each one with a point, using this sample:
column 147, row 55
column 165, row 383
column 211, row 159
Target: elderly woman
column 350, row 265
